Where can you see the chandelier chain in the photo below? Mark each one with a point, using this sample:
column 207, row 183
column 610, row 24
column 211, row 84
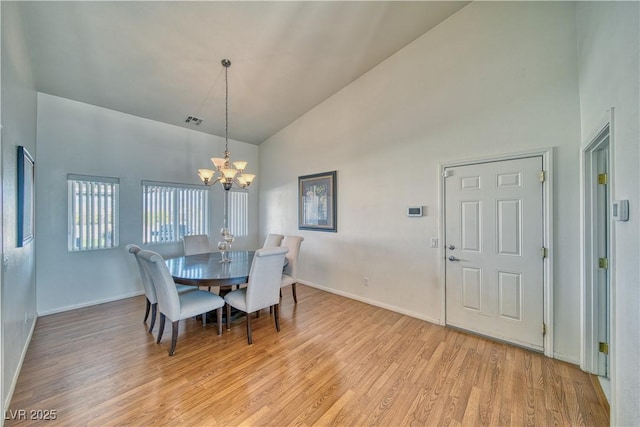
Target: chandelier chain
column 230, row 173
column 226, row 108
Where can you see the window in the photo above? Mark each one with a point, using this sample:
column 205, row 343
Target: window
column 93, row 212
column 171, row 211
column 238, row 213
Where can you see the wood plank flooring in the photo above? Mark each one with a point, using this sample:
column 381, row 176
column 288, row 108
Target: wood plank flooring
column 335, row 362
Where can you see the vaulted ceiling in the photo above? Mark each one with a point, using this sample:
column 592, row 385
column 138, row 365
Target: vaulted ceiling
column 162, row 60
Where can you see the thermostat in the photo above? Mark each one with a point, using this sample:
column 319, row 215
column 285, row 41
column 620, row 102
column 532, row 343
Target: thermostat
column 620, row 210
column 414, row 211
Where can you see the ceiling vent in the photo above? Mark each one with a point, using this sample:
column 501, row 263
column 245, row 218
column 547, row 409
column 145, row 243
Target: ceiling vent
column 193, row 120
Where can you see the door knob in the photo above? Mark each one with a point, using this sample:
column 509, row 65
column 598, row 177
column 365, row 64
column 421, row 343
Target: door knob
column 452, row 258
column 451, row 247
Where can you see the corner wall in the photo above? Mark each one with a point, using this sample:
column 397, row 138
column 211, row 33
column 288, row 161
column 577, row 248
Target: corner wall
column 78, row 138
column 609, row 64
column 18, row 311
column 495, row 78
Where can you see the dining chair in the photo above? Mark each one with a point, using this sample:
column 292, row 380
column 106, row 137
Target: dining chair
column 196, row 244
column 290, row 274
column 262, row 288
column 149, row 290
column 273, row 240
column 173, row 305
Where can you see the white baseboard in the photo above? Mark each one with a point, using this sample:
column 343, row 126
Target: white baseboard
column 16, row 374
column 566, row 358
column 89, row 303
column 373, row 302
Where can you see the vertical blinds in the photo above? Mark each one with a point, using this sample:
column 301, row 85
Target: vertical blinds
column 93, row 212
column 171, row 211
column 238, row 213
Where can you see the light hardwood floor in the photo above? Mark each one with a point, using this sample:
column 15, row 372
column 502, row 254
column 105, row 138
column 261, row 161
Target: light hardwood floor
column 335, row 362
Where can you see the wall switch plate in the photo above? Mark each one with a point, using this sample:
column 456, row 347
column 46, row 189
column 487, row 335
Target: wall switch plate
column 414, row 211
column 434, row 242
column 620, row 210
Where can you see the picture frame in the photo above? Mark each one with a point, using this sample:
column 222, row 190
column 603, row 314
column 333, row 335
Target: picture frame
column 317, row 206
column 26, row 199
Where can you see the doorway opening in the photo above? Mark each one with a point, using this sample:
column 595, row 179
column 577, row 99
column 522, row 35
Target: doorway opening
column 597, row 257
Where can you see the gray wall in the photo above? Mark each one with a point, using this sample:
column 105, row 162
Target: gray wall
column 608, row 46
column 78, row 138
column 18, row 264
column 495, row 78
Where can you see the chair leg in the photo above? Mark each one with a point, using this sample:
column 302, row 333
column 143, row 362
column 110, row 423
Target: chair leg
column 154, row 310
column 174, row 337
column 219, row 314
column 160, row 328
column 293, row 289
column 146, row 312
column 249, row 340
column 276, row 311
column 228, row 317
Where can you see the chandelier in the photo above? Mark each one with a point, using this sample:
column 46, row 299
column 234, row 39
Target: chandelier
column 228, row 173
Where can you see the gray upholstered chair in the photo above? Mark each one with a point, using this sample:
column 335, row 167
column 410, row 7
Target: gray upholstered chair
column 176, row 306
column 273, row 240
column 196, row 244
column 149, row 290
column 262, row 289
column 290, row 275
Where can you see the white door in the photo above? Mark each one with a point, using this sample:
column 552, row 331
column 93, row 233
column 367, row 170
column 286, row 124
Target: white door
column 494, row 250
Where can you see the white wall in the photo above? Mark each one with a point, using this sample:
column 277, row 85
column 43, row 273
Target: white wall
column 18, row 121
column 494, row 78
column 608, row 46
column 83, row 139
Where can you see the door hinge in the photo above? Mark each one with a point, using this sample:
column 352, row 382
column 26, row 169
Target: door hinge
column 603, row 263
column 541, row 176
column 603, row 179
column 545, row 252
column 603, row 348
column 544, row 329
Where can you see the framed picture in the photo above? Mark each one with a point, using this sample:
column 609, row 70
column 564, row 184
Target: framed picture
column 317, row 202
column 26, row 178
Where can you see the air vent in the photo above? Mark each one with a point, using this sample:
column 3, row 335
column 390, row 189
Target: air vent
column 193, row 120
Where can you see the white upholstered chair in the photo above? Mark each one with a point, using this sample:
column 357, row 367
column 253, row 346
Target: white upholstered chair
column 290, row 275
column 149, row 290
column 176, row 306
column 262, row 289
column 196, row 244
column 273, row 240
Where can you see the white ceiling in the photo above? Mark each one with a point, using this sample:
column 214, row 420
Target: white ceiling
column 161, row 60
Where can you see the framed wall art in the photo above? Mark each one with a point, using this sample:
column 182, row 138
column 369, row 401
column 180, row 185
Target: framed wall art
column 26, row 179
column 317, row 209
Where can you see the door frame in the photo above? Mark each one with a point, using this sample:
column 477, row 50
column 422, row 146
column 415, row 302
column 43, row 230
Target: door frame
column 547, row 220
column 603, row 136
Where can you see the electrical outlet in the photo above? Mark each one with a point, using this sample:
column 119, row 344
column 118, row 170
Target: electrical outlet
column 366, row 281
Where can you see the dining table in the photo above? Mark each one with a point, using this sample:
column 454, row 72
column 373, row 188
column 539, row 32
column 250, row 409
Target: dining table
column 208, row 270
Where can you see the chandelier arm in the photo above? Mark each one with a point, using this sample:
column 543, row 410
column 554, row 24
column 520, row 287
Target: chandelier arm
column 239, row 184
